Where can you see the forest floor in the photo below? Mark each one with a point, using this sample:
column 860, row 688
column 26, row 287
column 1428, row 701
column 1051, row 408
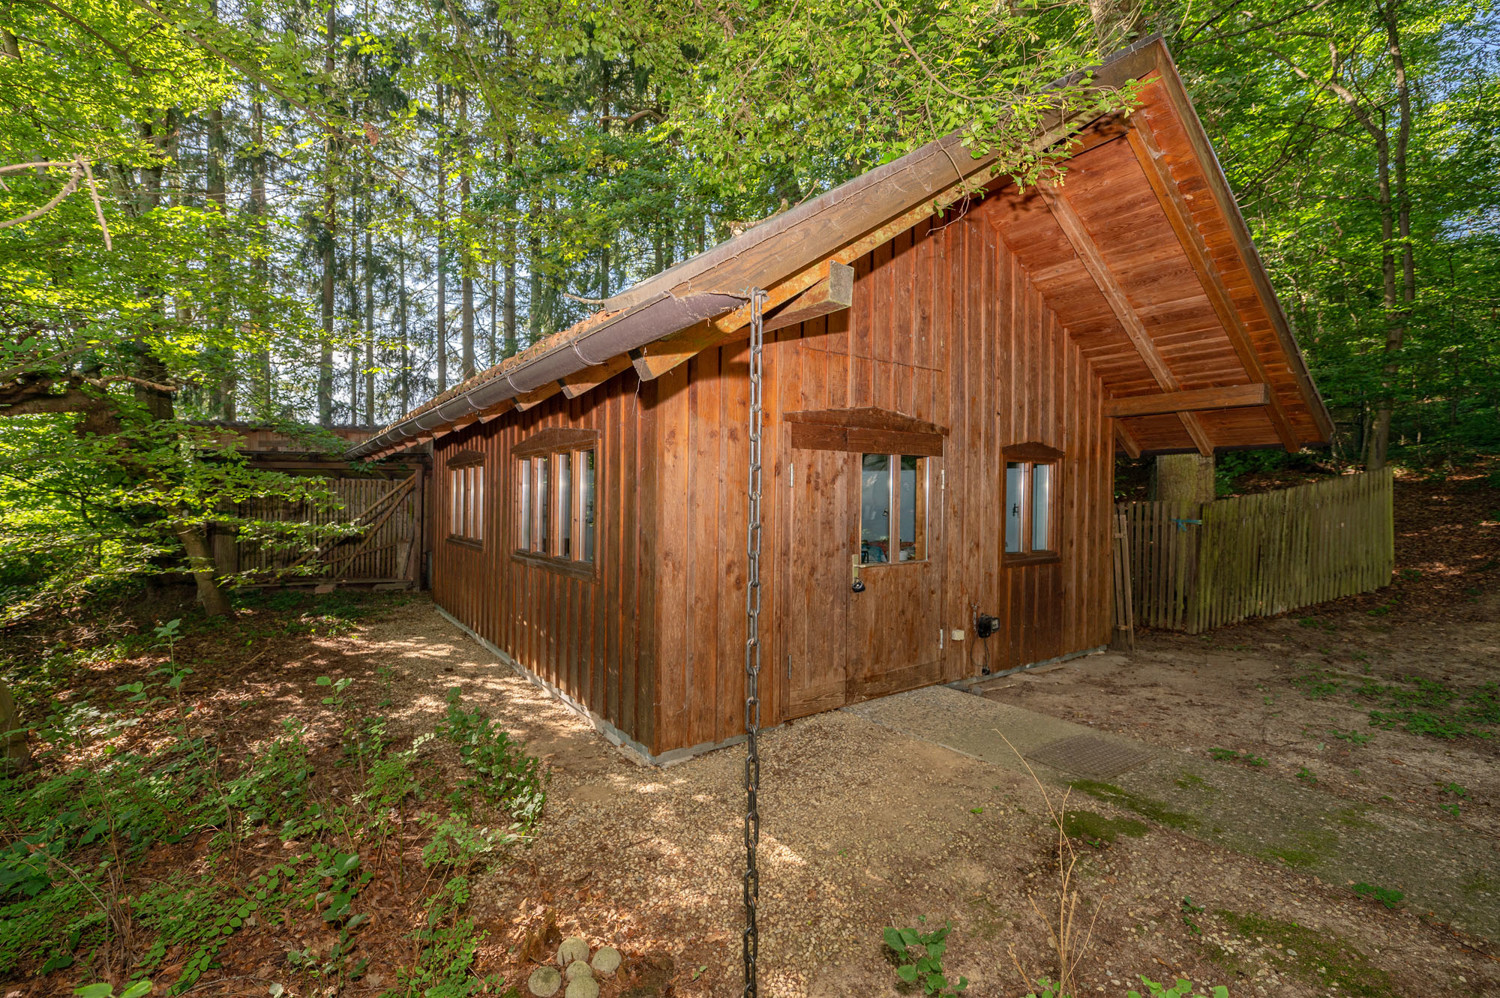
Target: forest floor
column 864, row 827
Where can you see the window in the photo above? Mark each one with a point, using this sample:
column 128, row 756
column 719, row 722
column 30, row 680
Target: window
column 466, row 500
column 556, row 497
column 1031, row 502
column 892, row 497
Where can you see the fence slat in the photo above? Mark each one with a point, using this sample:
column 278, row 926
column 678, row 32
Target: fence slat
column 1256, row 555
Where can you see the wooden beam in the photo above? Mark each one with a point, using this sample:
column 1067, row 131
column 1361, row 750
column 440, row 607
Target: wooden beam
column 1093, row 261
column 590, row 378
column 1150, row 157
column 537, row 395
column 832, row 294
column 1127, row 440
column 1193, row 400
column 494, row 412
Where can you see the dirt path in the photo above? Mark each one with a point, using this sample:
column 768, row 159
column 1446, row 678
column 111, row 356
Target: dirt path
column 864, row 828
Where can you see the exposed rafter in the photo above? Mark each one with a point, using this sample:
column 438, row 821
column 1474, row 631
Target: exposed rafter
column 1093, row 261
column 1149, row 154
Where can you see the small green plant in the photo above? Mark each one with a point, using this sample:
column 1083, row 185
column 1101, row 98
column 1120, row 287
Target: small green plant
column 505, row 775
column 1182, row 989
column 135, row 989
column 1188, row 911
column 1306, row 775
column 1230, row 755
column 1387, row 896
column 1350, row 736
column 1456, row 789
column 919, row 954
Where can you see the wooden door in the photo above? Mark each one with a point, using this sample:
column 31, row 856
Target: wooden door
column 841, row 646
column 894, row 627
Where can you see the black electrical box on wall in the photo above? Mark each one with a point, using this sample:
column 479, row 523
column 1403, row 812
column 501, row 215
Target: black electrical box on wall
column 985, row 625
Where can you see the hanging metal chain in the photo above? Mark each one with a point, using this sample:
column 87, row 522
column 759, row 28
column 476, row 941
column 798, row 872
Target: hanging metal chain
column 752, row 649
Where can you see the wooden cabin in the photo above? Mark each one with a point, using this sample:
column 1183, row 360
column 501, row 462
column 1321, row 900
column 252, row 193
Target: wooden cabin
column 948, row 379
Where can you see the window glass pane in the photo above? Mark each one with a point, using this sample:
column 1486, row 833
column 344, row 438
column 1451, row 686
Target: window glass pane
column 454, row 498
column 913, row 508
column 875, row 509
column 1015, row 480
column 1041, row 507
column 543, row 509
column 478, row 501
column 565, row 505
column 523, row 531
column 586, row 501
column 468, row 530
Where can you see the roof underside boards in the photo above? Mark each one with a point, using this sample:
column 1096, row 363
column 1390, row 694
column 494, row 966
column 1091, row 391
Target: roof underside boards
column 1171, row 296
column 1107, row 188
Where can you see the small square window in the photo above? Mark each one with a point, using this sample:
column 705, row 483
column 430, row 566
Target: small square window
column 556, row 503
column 1030, row 509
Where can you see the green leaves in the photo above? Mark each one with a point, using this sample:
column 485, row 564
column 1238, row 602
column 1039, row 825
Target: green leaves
column 920, row 957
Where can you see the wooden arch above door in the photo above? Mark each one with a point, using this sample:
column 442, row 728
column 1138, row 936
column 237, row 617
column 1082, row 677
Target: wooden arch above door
column 868, row 430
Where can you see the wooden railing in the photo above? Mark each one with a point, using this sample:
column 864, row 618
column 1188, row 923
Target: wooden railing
column 1194, row 566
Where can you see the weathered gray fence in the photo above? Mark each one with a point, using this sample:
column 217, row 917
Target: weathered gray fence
column 1194, row 566
column 385, row 549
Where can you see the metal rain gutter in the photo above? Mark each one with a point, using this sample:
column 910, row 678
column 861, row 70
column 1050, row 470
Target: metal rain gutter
column 659, row 316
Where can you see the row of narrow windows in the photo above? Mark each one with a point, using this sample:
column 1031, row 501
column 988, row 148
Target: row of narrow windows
column 556, row 502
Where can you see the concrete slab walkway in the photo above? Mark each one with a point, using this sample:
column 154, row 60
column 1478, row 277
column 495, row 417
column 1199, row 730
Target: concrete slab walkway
column 1456, row 876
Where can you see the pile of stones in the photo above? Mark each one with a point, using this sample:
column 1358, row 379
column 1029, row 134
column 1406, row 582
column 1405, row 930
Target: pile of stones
column 579, row 971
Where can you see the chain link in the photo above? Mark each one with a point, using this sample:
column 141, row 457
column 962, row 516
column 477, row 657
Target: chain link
column 752, row 649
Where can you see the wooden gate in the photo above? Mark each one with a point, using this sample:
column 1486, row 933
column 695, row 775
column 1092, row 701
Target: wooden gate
column 385, row 548
column 1194, row 566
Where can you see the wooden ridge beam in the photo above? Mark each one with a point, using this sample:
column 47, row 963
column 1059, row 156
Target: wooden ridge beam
column 1093, row 261
column 832, row 294
column 1151, row 159
column 1192, row 400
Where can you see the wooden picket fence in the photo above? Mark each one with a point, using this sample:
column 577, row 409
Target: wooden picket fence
column 1194, row 566
column 386, row 548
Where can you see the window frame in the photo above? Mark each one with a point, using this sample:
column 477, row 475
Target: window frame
column 922, row 494
column 538, row 465
column 1029, row 456
column 466, row 502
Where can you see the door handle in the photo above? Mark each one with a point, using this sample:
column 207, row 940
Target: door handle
column 859, row 584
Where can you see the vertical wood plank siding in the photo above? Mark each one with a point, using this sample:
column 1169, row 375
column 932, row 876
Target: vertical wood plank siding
column 945, row 327
column 578, row 634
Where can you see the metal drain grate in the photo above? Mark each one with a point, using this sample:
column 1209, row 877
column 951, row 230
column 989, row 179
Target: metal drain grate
column 1089, row 755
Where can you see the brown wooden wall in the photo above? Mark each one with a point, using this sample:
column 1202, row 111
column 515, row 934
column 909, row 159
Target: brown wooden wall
column 579, row 634
column 945, row 327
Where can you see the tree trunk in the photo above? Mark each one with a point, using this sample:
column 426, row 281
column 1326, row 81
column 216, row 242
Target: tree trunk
column 201, row 564
column 369, row 321
column 264, row 397
column 1117, row 23
column 223, row 371
column 510, row 257
column 325, row 343
column 16, row 757
column 466, row 260
column 1182, row 478
column 355, row 322
column 1395, row 229
column 401, row 322
column 441, row 333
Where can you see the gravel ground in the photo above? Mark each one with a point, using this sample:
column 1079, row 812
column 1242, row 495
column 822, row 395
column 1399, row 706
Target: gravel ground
column 864, row 828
